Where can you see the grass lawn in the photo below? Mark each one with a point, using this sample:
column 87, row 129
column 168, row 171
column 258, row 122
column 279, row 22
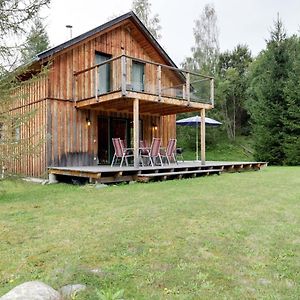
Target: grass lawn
column 223, row 150
column 234, row 236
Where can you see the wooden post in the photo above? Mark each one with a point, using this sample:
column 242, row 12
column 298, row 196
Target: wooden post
column 96, row 83
column 124, row 75
column 202, row 136
column 136, row 132
column 212, row 92
column 188, row 88
column 197, row 141
column 159, row 82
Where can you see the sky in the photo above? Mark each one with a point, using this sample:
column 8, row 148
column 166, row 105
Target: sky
column 240, row 22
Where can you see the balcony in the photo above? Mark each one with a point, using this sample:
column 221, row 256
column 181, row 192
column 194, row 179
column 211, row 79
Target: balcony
column 162, row 89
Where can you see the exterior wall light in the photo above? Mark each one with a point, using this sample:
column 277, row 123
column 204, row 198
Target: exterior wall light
column 88, row 118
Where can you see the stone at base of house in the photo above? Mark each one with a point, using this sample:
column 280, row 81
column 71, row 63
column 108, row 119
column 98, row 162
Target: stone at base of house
column 35, row 180
column 52, row 178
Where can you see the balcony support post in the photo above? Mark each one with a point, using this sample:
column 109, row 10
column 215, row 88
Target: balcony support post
column 96, row 83
column 124, row 73
column 212, row 92
column 202, row 136
column 187, row 88
column 159, row 82
column 136, row 131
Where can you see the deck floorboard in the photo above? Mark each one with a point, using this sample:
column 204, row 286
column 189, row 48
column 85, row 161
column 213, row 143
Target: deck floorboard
column 106, row 173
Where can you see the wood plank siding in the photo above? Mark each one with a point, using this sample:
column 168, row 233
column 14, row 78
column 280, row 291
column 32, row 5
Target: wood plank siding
column 30, row 103
column 67, row 139
column 74, row 143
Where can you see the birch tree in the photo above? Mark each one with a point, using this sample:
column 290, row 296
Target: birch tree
column 142, row 8
column 205, row 51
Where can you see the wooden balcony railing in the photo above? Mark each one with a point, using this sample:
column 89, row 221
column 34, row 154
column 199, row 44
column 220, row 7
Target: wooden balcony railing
column 129, row 74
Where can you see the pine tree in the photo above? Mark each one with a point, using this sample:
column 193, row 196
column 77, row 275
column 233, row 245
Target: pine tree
column 268, row 105
column 291, row 118
column 36, row 41
column 142, row 8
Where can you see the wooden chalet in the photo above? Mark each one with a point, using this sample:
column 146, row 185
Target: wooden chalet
column 112, row 81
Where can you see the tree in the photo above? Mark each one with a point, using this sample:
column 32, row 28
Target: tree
column 36, row 42
column 14, row 19
column 142, row 8
column 231, row 89
column 291, row 118
column 205, row 52
column 203, row 59
column 267, row 104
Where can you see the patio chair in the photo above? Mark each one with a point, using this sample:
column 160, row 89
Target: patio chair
column 170, row 152
column 120, row 152
column 179, row 154
column 143, row 150
column 124, row 143
column 153, row 153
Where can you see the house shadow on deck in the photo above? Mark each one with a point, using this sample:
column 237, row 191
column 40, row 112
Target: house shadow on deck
column 109, row 175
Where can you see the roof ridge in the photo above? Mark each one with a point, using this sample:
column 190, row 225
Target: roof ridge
column 102, row 27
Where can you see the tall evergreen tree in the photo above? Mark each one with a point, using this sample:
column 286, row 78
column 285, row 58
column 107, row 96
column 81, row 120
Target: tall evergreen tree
column 291, row 118
column 36, row 41
column 142, row 8
column 268, row 104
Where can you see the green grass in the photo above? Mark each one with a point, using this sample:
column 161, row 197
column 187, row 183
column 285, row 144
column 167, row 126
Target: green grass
column 225, row 150
column 234, row 236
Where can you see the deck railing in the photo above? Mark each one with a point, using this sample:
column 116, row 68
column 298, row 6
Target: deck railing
column 129, row 74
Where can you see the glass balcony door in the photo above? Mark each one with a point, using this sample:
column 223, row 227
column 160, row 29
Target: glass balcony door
column 138, row 76
column 104, row 73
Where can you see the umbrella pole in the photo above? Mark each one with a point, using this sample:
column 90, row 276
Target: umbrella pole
column 197, row 143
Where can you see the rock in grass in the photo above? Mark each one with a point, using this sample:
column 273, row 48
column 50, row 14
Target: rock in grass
column 132, row 182
column 100, row 186
column 32, row 290
column 97, row 272
column 71, row 290
column 264, row 281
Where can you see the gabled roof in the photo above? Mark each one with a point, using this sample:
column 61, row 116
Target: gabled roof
column 131, row 16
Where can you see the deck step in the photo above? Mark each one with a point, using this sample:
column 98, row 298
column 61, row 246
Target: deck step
column 178, row 173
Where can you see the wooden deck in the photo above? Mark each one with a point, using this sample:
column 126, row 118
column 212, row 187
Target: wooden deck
column 108, row 174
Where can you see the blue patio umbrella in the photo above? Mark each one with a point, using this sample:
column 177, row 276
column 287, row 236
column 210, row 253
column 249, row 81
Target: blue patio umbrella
column 195, row 121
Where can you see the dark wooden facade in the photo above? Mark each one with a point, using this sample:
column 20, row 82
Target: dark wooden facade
column 67, row 108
